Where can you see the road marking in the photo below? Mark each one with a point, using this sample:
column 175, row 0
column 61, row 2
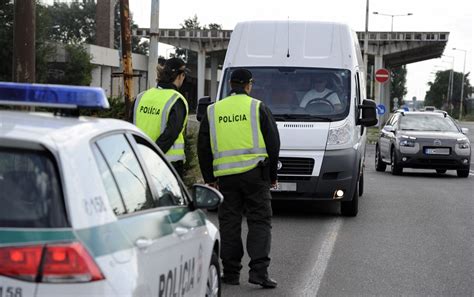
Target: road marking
column 315, row 276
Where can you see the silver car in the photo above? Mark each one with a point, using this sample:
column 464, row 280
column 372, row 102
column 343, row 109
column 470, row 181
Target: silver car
column 424, row 140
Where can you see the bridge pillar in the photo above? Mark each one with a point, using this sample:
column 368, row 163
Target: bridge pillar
column 378, row 63
column 213, row 90
column 201, row 72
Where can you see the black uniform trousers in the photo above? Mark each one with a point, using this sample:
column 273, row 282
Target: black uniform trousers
column 245, row 194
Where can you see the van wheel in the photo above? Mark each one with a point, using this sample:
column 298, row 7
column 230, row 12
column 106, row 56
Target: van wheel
column 441, row 171
column 361, row 184
column 351, row 208
column 463, row 172
column 213, row 286
column 396, row 169
column 379, row 164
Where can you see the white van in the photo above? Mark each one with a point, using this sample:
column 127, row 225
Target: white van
column 311, row 76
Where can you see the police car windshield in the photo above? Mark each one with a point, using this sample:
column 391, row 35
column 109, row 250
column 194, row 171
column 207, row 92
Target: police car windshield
column 427, row 122
column 30, row 194
column 309, row 94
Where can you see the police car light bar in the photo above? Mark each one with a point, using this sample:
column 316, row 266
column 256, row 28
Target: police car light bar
column 53, row 96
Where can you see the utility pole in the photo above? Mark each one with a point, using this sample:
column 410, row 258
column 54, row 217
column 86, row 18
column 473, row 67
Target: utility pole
column 126, row 55
column 366, row 42
column 462, row 83
column 154, row 36
column 24, row 34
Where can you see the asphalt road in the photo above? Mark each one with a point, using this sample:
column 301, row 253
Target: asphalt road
column 414, row 236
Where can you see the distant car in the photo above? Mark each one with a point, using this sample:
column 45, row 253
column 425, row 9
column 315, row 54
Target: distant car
column 90, row 207
column 424, row 140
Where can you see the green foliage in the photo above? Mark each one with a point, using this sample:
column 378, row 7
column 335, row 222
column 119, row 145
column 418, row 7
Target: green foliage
column 72, row 23
column 6, row 40
column 78, row 68
column 116, row 110
column 398, row 81
column 438, row 91
column 192, row 173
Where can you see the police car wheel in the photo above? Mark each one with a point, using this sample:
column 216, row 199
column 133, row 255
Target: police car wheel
column 396, row 168
column 213, row 287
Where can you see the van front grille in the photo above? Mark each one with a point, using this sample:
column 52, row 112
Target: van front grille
column 296, row 166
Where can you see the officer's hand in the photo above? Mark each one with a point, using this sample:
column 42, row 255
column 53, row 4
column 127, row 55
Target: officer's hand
column 274, row 184
column 214, row 185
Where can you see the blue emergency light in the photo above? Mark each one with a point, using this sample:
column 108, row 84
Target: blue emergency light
column 53, row 96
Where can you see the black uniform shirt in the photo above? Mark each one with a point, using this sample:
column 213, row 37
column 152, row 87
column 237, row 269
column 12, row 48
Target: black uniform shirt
column 175, row 121
column 270, row 134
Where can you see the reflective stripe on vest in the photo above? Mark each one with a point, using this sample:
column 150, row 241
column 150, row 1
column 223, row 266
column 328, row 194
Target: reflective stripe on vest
column 155, row 124
column 233, row 161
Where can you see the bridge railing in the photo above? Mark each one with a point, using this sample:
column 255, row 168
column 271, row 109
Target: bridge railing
column 405, row 36
column 186, row 33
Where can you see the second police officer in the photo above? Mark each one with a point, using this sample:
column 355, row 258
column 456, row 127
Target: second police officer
column 238, row 147
column 162, row 112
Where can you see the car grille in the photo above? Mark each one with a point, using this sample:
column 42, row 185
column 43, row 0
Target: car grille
column 438, row 161
column 302, row 166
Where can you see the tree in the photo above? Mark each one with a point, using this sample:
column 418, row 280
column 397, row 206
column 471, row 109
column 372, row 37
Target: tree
column 438, row 91
column 398, row 81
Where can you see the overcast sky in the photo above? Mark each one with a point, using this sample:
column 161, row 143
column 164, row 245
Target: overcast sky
column 454, row 16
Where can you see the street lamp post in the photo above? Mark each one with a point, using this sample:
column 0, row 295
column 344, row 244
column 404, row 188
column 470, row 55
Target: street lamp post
column 450, row 82
column 392, row 15
column 462, row 83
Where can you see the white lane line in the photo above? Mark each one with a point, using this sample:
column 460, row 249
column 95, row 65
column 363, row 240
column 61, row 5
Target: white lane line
column 315, row 276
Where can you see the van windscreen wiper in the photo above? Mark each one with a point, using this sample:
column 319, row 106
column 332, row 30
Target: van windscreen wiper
column 300, row 116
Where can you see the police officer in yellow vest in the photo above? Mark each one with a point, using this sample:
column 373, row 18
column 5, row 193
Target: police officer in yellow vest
column 238, row 147
column 162, row 112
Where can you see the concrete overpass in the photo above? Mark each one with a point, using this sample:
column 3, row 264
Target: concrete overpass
column 386, row 50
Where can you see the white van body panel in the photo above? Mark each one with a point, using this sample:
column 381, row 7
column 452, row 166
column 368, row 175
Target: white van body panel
column 308, row 44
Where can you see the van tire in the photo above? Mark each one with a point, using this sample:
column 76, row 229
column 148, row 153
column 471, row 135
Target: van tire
column 361, row 184
column 213, row 285
column 396, row 169
column 379, row 164
column 351, row 208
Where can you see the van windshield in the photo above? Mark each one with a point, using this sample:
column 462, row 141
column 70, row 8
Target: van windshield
column 299, row 94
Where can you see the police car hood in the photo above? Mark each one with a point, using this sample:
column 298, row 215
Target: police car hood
column 303, row 135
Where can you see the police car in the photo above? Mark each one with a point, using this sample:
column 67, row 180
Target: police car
column 90, row 207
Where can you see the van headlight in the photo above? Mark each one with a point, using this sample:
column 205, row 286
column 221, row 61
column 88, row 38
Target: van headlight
column 340, row 136
column 463, row 143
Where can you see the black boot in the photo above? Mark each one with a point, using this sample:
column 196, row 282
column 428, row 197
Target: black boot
column 266, row 282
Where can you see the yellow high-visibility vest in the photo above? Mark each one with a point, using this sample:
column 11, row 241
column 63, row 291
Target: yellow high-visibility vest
column 236, row 140
column 151, row 112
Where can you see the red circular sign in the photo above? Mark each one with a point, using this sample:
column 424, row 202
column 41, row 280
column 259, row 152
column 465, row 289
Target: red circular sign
column 382, row 75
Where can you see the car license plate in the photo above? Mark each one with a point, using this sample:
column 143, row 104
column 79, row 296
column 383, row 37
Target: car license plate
column 284, row 187
column 437, row 151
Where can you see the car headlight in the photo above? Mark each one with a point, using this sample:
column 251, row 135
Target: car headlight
column 463, row 143
column 407, row 141
column 340, row 135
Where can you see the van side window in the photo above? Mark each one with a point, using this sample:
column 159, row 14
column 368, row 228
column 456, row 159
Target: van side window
column 127, row 173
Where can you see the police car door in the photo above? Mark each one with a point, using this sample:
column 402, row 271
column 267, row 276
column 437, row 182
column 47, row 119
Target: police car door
column 186, row 272
column 146, row 225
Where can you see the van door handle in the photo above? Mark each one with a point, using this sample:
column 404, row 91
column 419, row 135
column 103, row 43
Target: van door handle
column 180, row 231
column 143, row 243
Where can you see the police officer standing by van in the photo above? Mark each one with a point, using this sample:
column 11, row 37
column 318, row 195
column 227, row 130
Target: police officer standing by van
column 162, row 112
column 238, row 147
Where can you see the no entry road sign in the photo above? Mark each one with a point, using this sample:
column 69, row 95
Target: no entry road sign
column 382, row 75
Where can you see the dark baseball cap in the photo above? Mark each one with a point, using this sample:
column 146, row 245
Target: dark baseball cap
column 241, row 76
column 175, row 65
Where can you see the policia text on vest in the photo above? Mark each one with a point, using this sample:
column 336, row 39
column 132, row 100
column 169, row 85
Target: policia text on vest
column 232, row 118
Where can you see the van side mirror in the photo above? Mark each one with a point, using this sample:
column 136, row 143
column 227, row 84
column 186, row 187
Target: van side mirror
column 369, row 113
column 389, row 128
column 206, row 197
column 465, row 131
column 201, row 110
